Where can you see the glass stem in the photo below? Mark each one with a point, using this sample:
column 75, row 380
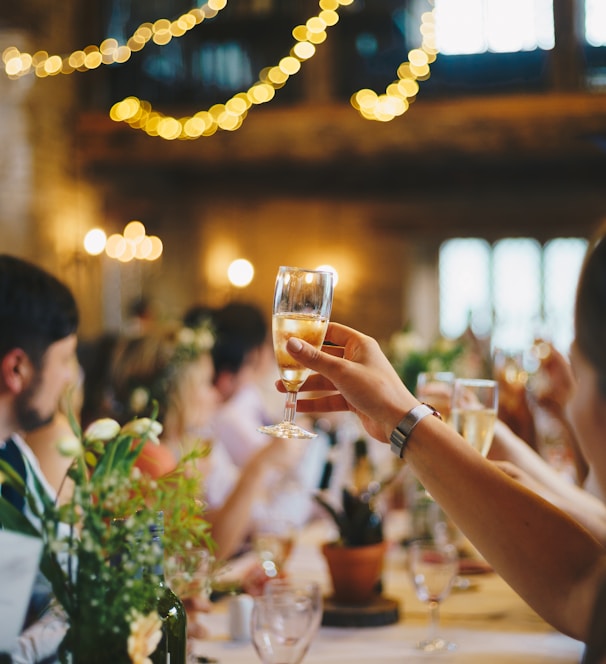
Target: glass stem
column 290, row 408
column 434, row 619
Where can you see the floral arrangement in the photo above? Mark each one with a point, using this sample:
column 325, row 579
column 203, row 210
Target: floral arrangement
column 410, row 355
column 105, row 523
column 189, row 344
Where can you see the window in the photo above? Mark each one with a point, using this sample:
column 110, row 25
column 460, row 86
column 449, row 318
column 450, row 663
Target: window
column 477, row 26
column 595, row 22
column 514, row 290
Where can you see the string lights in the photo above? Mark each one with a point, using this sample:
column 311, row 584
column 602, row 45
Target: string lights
column 229, row 116
column 161, row 32
column 132, row 244
column 398, row 95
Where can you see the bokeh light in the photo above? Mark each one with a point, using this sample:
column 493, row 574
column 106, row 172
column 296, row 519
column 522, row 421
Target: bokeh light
column 240, row 273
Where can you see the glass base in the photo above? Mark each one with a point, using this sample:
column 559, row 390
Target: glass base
column 436, row 644
column 286, row 430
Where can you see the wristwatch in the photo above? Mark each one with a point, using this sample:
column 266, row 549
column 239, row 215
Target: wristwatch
column 399, row 436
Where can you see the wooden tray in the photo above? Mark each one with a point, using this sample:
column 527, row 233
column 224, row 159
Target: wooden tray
column 381, row 611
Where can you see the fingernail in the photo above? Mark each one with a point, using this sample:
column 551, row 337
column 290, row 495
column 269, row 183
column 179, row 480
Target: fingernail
column 295, row 345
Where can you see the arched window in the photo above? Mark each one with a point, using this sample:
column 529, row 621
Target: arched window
column 512, row 291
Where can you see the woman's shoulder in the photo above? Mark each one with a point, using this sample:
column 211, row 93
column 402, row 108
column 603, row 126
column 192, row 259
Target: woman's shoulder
column 155, row 460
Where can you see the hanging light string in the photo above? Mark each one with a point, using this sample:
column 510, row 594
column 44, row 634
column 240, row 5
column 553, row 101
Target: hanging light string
column 109, row 52
column 229, row 116
column 396, row 99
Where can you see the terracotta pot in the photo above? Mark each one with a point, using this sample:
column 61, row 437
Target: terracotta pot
column 355, row 571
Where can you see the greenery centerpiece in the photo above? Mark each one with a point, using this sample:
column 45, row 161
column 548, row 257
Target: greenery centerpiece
column 93, row 565
column 411, row 355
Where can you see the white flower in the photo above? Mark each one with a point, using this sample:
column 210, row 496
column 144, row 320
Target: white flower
column 145, row 635
column 102, row 430
column 143, row 426
column 139, row 399
column 186, row 336
column 205, row 339
column 69, row 446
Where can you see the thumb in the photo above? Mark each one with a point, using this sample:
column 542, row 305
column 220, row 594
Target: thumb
column 304, row 352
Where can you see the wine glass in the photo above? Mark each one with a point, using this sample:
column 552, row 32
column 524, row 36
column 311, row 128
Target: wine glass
column 474, row 411
column 302, row 304
column 189, row 573
column 282, row 627
column 273, row 540
column 436, row 388
column 433, row 567
column 299, row 588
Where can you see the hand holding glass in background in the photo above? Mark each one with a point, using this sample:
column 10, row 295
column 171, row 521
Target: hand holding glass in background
column 475, row 404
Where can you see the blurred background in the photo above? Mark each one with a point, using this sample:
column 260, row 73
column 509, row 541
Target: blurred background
column 463, row 207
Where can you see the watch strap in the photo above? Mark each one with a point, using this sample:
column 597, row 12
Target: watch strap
column 399, row 436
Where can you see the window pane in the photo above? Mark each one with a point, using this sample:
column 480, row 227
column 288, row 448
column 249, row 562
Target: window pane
column 459, row 26
column 517, row 293
column 563, row 260
column 464, row 286
column 501, row 26
column 595, row 22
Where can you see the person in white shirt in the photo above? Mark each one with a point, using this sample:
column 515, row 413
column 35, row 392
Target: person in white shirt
column 38, row 325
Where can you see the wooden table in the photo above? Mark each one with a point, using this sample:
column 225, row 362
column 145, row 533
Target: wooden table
column 489, row 623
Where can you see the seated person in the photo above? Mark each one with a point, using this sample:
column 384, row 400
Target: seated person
column 174, row 367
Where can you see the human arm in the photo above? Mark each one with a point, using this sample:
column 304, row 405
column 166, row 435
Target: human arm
column 522, row 463
column 551, row 561
column 231, row 521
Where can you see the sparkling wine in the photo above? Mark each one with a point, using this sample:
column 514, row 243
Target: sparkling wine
column 311, row 328
column 476, row 426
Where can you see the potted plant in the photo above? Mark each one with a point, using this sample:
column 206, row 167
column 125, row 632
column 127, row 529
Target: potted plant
column 355, row 559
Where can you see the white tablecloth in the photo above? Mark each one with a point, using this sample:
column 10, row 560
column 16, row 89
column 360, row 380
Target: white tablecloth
column 489, row 623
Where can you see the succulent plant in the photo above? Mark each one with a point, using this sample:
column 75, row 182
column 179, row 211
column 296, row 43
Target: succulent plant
column 358, row 522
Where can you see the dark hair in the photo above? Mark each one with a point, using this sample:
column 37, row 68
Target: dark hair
column 36, row 309
column 239, row 328
column 590, row 310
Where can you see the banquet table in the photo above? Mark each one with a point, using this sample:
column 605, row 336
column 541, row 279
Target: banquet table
column 487, row 620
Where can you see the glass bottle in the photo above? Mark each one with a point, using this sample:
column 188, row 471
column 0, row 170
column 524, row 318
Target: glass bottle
column 172, row 648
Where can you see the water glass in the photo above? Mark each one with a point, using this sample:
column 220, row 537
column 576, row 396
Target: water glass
column 282, row 628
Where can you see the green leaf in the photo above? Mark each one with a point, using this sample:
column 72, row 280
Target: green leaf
column 13, row 519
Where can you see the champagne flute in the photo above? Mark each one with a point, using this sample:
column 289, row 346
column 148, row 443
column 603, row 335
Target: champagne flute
column 433, row 566
column 436, row 388
column 474, row 411
column 302, row 304
column 282, row 627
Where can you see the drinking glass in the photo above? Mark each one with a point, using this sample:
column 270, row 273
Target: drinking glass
column 474, row 411
column 436, row 388
column 302, row 304
column 273, row 540
column 189, row 574
column 299, row 588
column 282, row 628
column 433, row 567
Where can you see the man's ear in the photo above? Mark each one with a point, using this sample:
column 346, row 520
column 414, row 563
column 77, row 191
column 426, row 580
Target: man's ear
column 17, row 370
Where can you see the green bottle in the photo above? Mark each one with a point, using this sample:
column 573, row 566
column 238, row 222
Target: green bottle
column 172, row 648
